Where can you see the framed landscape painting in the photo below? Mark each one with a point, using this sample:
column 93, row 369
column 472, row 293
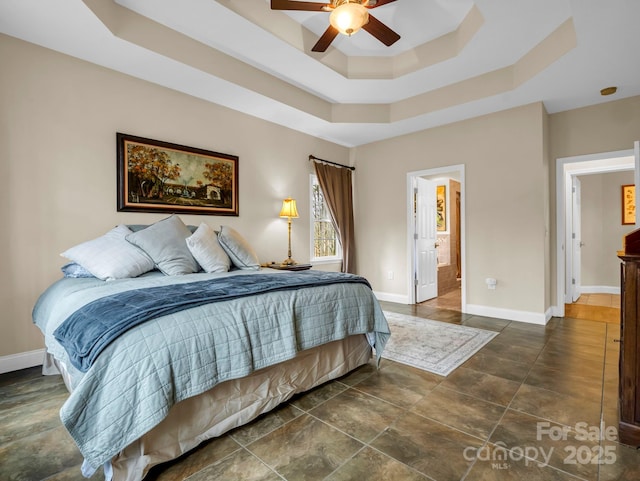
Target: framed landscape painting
column 156, row 176
column 441, row 207
column 628, row 204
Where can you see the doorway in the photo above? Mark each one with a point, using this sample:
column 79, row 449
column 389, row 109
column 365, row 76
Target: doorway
column 568, row 280
column 447, row 235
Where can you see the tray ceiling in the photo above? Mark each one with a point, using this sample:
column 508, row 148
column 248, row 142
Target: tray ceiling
column 456, row 59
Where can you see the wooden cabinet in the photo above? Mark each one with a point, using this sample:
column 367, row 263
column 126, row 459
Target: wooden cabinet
column 629, row 427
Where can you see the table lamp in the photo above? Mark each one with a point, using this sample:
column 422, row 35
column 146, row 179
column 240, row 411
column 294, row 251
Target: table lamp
column 289, row 210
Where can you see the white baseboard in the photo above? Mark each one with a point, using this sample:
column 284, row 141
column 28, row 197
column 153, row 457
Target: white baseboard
column 600, row 290
column 22, row 360
column 510, row 314
column 388, row 297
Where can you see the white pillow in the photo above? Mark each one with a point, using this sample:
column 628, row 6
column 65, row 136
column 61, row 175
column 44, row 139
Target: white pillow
column 206, row 249
column 110, row 256
column 165, row 243
column 238, row 249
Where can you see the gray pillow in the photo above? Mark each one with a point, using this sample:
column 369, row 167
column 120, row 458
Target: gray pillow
column 110, row 256
column 165, row 243
column 238, row 249
column 206, row 249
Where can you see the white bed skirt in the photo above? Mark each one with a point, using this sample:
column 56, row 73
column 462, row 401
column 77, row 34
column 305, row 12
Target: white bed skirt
column 211, row 414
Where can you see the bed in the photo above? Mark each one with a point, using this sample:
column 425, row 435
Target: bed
column 156, row 363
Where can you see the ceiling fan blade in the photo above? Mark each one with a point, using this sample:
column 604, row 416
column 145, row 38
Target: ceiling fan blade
column 327, row 37
column 378, row 3
column 292, row 5
column 379, row 30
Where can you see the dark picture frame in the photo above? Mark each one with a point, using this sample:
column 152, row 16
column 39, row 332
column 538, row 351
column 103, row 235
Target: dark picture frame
column 157, row 176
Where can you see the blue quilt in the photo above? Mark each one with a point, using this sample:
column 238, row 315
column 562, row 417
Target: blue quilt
column 137, row 378
column 87, row 331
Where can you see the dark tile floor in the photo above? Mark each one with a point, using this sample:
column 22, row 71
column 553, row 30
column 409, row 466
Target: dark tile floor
column 526, row 406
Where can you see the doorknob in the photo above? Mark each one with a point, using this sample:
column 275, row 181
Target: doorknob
column 581, row 244
column 436, row 245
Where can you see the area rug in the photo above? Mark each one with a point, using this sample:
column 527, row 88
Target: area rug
column 433, row 346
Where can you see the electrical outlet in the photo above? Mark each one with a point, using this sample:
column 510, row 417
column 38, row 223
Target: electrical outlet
column 390, row 275
column 491, row 283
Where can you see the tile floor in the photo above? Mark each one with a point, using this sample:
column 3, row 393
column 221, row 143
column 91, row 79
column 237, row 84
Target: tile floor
column 449, row 300
column 596, row 307
column 604, row 300
column 526, row 406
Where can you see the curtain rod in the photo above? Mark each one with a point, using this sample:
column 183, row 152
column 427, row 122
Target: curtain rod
column 312, row 157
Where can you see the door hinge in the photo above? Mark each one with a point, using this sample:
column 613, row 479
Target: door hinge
column 573, row 282
column 573, row 235
column 415, row 235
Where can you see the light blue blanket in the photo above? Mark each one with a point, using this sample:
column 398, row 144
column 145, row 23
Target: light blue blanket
column 86, row 332
column 135, row 380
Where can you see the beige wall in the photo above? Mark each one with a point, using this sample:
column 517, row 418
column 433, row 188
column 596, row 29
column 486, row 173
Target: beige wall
column 505, row 184
column 608, row 127
column 58, row 121
column 602, row 230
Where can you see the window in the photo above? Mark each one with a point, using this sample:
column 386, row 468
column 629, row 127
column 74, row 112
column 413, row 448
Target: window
column 324, row 238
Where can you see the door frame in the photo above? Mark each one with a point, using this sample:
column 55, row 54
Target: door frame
column 567, row 167
column 411, row 260
column 574, row 276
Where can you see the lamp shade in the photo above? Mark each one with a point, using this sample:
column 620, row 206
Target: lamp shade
column 289, row 208
column 349, row 17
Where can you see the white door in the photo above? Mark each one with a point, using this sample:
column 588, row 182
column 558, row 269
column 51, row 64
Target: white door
column 576, row 240
column 426, row 269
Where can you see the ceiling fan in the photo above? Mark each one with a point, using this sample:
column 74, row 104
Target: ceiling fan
column 347, row 17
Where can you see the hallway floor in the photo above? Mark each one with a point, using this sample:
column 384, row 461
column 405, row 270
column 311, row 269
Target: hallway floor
column 595, row 307
column 450, row 300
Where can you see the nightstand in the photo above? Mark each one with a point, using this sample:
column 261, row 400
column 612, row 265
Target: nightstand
column 294, row 267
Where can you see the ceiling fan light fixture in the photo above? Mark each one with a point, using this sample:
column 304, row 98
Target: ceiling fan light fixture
column 349, row 17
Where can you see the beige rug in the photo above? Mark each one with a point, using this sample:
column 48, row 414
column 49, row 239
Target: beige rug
column 433, row 346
